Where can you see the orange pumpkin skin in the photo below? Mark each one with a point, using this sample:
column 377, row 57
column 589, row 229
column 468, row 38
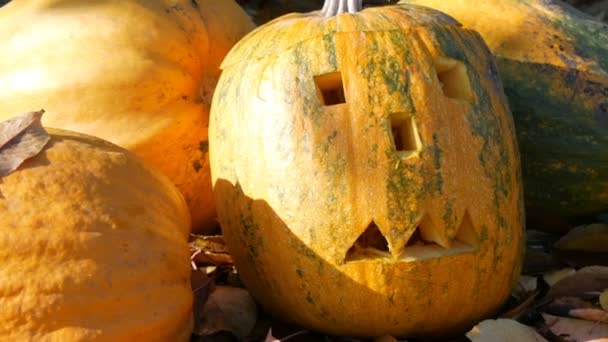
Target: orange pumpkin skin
column 393, row 208
column 138, row 73
column 93, row 247
column 553, row 62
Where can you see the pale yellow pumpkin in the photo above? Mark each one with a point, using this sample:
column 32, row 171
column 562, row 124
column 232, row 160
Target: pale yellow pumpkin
column 138, row 73
column 93, row 246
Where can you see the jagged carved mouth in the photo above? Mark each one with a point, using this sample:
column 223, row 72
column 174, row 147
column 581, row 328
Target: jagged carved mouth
column 422, row 244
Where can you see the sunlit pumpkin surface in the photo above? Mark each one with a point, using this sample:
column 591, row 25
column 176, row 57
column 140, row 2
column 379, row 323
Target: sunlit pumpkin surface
column 366, row 173
column 93, row 247
column 138, row 73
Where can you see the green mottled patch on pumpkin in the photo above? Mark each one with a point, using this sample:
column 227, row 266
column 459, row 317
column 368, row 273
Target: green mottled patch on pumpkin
column 403, row 189
column 484, row 124
column 306, row 88
column 483, row 233
column 449, row 216
column 309, row 298
column 450, row 46
column 434, row 183
column 330, row 47
column 589, row 37
column 250, row 230
column 372, row 160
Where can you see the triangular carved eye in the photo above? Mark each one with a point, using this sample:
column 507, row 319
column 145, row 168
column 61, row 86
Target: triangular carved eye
column 371, row 244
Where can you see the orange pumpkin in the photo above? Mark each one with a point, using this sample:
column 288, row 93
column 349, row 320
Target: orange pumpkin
column 366, row 171
column 93, row 246
column 138, row 73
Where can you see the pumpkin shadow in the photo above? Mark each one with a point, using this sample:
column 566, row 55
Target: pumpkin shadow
column 296, row 285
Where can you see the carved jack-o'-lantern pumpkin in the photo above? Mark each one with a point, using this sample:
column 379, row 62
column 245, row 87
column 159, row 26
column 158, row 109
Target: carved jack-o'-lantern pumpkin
column 366, row 172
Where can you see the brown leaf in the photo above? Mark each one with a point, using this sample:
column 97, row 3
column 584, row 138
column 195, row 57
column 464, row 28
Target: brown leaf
column 591, row 238
column 538, row 262
column 588, row 279
column 228, row 309
column 209, row 250
column 503, row 330
column 386, row 338
column 604, row 299
column 576, row 329
column 525, row 285
column 523, row 306
column 271, row 338
column 21, row 137
column 580, row 259
column 563, row 305
column 553, row 277
column 590, row 314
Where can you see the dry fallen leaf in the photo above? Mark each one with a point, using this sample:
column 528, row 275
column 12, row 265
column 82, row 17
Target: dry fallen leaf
column 522, row 308
column 562, row 306
column 271, row 338
column 386, row 338
column 228, row 309
column 586, row 280
column 604, row 299
column 525, row 285
column 538, row 262
column 209, row 250
column 503, row 330
column 591, row 238
column 551, row 278
column 577, row 330
column 590, row 314
column 21, row 137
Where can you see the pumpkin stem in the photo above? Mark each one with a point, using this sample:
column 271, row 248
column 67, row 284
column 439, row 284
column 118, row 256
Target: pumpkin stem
column 334, row 7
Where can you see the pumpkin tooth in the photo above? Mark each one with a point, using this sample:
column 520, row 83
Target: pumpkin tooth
column 420, row 247
column 423, row 242
column 466, row 232
column 432, row 232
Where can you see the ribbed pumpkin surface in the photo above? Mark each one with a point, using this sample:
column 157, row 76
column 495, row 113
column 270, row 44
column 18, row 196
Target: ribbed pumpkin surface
column 366, row 172
column 138, row 73
column 553, row 61
column 93, row 247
